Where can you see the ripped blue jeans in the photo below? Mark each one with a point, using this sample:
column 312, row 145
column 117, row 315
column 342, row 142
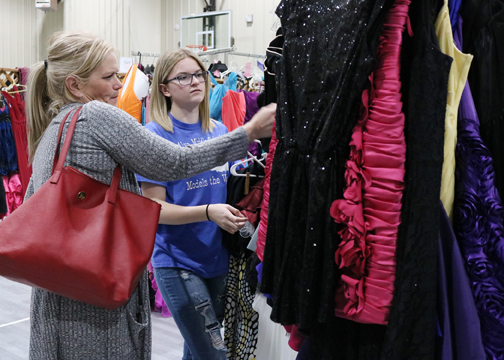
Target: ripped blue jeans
column 197, row 306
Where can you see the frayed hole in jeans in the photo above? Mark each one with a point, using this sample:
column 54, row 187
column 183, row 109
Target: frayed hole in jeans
column 216, row 337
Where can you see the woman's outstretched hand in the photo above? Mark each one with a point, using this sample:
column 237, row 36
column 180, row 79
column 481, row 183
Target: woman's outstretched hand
column 261, row 125
column 226, row 217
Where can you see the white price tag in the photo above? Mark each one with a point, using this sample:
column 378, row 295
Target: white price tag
column 124, row 64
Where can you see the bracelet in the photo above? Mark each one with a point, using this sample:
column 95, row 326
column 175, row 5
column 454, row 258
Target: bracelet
column 208, row 217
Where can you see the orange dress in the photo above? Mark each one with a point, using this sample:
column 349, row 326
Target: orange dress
column 130, row 96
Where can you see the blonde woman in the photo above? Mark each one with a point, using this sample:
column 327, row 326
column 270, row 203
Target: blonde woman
column 81, row 71
column 189, row 260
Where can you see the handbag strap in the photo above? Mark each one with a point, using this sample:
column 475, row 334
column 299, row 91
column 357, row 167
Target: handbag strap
column 59, row 161
column 114, row 185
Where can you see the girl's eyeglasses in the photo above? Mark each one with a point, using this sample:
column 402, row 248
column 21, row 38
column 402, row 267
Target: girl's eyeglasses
column 186, row 79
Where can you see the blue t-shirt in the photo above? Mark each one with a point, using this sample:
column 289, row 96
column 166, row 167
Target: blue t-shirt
column 196, row 246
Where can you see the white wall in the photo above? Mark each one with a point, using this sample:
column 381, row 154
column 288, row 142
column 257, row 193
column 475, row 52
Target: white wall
column 48, row 22
column 147, row 25
column 252, row 38
column 18, row 39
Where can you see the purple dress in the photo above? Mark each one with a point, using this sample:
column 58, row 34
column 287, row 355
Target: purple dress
column 251, row 110
column 478, row 223
column 457, row 314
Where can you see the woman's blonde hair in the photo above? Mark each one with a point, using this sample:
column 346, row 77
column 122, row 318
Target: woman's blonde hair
column 70, row 53
column 160, row 105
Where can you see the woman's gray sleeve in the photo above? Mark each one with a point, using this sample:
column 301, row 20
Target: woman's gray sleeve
column 153, row 157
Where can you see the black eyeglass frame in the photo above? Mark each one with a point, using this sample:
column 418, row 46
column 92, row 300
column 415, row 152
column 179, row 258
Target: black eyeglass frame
column 192, row 77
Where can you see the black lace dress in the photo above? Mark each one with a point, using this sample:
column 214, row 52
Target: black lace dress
column 328, row 53
column 412, row 324
column 483, row 32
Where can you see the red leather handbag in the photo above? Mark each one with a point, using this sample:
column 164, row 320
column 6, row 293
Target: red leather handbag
column 78, row 237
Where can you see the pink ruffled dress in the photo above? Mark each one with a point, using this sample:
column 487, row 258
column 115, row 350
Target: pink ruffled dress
column 371, row 208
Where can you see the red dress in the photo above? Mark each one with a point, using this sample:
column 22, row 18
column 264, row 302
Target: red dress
column 234, row 109
column 263, row 225
column 372, row 202
column 18, row 122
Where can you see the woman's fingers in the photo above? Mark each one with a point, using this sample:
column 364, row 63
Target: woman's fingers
column 227, row 217
column 261, row 123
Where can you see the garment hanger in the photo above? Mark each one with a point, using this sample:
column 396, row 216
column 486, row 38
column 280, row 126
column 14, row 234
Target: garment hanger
column 233, row 66
column 16, row 92
column 242, row 162
column 10, row 87
column 257, row 77
column 246, row 161
column 259, row 161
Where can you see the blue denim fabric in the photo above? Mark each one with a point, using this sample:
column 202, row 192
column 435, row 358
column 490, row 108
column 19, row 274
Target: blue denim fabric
column 197, row 305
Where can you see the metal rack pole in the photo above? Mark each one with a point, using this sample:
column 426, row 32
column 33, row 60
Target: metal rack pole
column 217, row 51
column 249, row 55
column 139, row 53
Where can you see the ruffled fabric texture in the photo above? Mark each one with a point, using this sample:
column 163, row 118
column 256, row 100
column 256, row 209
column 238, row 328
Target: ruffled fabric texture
column 371, row 208
column 263, row 224
column 13, row 192
column 478, row 223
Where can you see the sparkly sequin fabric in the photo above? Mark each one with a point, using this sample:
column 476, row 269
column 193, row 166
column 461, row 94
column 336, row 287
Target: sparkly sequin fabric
column 329, row 51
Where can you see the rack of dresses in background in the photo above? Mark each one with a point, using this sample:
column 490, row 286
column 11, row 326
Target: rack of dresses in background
column 147, row 68
column 230, row 51
column 134, row 97
column 14, row 168
column 225, row 67
column 234, row 100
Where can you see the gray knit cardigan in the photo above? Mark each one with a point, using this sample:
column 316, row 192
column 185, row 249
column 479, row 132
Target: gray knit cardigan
column 62, row 328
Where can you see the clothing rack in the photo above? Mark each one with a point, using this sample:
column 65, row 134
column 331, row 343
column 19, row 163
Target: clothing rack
column 140, row 53
column 217, row 51
column 225, row 51
column 230, row 51
column 243, row 54
column 249, row 55
column 145, row 54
